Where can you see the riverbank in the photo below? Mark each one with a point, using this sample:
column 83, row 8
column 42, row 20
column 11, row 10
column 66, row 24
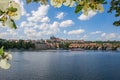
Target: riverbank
column 34, row 50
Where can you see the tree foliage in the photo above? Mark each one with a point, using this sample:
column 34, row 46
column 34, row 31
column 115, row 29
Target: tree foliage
column 115, row 6
column 19, row 44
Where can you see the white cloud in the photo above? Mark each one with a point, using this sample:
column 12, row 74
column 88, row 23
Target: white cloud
column 66, row 23
column 21, row 3
column 49, row 27
column 96, row 32
column 45, row 19
column 39, row 15
column 42, row 30
column 90, row 15
column 85, row 37
column 53, row 29
column 7, row 33
column 43, row 26
column 23, row 23
column 37, row 18
column 103, row 34
column 37, row 24
column 60, row 15
column 64, row 31
column 79, row 31
column 29, row 31
column 27, row 24
column 27, row 14
column 42, row 10
column 112, row 35
column 109, row 36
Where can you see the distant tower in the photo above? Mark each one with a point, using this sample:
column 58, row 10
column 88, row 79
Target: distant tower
column 52, row 37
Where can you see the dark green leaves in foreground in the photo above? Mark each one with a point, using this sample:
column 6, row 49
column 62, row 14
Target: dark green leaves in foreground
column 11, row 23
column 115, row 6
column 78, row 8
column 14, row 25
column 28, row 1
column 44, row 2
column 12, row 9
column 1, row 12
column 117, row 23
column 1, row 50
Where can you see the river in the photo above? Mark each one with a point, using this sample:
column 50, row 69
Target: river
column 63, row 65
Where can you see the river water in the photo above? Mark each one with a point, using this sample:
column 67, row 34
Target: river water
column 63, row 65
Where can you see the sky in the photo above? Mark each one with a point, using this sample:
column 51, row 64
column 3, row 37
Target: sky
column 40, row 22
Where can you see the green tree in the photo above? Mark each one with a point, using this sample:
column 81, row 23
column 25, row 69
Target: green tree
column 115, row 6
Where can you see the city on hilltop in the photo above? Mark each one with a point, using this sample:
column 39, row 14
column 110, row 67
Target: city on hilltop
column 57, row 43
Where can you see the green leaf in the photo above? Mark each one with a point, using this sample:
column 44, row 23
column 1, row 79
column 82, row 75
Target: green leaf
column 14, row 25
column 117, row 15
column 117, row 23
column 28, row 1
column 36, row 0
column 78, row 8
column 100, row 1
column 1, row 50
column 12, row 9
column 11, row 23
column 91, row 6
column 1, row 12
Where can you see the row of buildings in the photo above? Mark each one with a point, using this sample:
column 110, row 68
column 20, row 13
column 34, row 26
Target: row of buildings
column 51, row 43
column 55, row 42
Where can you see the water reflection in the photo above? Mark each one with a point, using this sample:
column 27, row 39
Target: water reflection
column 63, row 65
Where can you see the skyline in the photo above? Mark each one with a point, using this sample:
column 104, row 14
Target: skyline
column 41, row 22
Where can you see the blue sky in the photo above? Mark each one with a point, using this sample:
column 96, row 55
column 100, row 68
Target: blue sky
column 41, row 22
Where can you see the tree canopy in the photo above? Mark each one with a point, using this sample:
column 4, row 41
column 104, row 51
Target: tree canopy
column 115, row 6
